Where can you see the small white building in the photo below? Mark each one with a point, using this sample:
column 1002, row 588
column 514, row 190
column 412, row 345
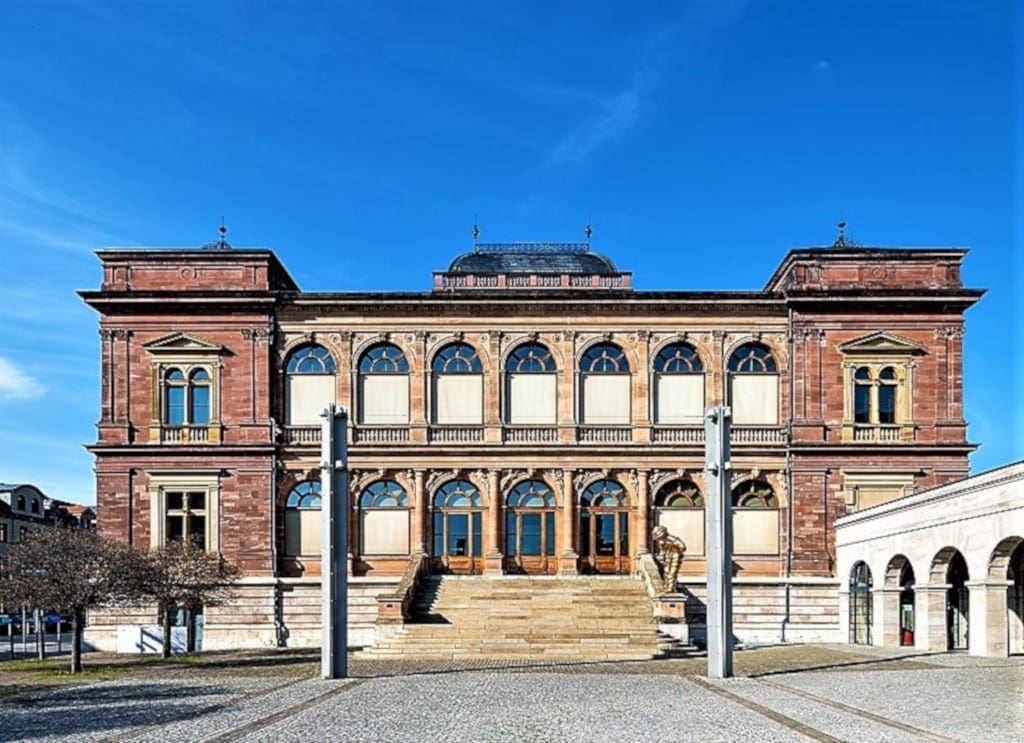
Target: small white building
column 938, row 570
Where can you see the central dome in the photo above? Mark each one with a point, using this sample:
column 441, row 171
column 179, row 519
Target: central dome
column 568, row 258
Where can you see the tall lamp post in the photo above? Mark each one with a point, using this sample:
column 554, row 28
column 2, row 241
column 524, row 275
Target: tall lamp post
column 334, row 577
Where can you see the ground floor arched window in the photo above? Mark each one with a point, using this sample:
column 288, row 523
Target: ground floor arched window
column 860, row 604
column 384, row 519
column 604, row 528
column 530, row 528
column 458, row 527
column 679, row 507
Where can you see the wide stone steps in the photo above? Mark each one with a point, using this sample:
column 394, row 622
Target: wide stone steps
column 521, row 619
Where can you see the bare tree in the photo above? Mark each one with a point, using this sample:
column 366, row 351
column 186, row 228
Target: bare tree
column 71, row 571
column 183, row 576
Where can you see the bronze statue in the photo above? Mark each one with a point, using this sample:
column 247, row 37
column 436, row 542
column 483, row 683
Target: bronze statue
column 668, row 553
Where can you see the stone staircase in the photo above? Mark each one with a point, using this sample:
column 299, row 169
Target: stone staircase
column 527, row 619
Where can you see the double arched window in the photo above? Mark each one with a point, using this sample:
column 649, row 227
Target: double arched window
column 753, row 385
column 678, row 385
column 531, row 386
column 874, row 395
column 606, row 381
column 679, row 507
column 186, row 398
column 755, row 522
column 302, row 524
column 458, row 385
column 309, row 384
column 384, row 519
column 383, row 385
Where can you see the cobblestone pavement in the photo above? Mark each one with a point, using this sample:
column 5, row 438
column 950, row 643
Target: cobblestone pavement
column 785, row 693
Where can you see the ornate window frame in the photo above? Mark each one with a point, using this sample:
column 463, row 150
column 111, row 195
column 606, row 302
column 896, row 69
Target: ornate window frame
column 866, row 362
column 161, row 483
column 189, row 355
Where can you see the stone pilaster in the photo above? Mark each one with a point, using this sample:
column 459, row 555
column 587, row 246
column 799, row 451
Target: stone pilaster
column 493, row 556
column 568, row 559
column 419, row 514
column 639, row 538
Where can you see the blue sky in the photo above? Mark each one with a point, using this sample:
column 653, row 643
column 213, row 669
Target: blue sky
column 359, row 139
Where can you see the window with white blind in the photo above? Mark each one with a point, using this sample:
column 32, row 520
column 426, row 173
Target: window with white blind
column 607, row 385
column 383, row 386
column 458, row 386
column 755, row 519
column 679, row 507
column 302, row 522
column 309, row 385
column 678, row 386
column 384, row 519
column 532, row 385
column 753, row 385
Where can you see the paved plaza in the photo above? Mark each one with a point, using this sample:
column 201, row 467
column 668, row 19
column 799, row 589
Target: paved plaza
column 784, row 693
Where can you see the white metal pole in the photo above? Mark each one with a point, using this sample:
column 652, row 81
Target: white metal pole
column 717, row 424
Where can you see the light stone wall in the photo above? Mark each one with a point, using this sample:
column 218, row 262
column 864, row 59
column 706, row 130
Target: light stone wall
column 982, row 517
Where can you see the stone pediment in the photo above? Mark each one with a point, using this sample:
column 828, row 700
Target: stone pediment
column 182, row 343
column 881, row 342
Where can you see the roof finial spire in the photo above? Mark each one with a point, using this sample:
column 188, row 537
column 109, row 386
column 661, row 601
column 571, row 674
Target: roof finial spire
column 220, row 243
column 588, row 231
column 840, row 241
column 475, row 232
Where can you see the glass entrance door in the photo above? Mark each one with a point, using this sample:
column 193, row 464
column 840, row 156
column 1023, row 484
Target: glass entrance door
column 458, row 529
column 604, row 529
column 530, row 529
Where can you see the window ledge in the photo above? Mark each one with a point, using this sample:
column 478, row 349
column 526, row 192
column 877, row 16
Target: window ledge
column 165, row 434
column 878, row 433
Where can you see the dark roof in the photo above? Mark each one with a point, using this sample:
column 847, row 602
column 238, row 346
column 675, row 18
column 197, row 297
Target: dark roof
column 532, row 258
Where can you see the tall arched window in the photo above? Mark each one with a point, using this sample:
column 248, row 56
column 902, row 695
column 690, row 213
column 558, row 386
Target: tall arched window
column 458, row 385
column 860, row 604
column 458, row 526
column 186, row 399
column 531, row 386
column 383, row 385
column 309, row 384
column 678, row 385
column 302, row 524
column 753, row 385
column 530, row 526
column 679, row 507
column 384, row 519
column 604, row 527
column 606, row 382
column 887, row 383
column 862, row 395
column 755, row 519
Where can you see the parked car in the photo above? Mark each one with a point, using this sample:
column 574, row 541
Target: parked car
column 53, row 620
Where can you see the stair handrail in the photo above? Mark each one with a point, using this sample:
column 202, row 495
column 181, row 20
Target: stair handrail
column 393, row 607
column 650, row 574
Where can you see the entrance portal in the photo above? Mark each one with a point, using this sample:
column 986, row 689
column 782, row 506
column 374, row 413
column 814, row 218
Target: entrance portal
column 604, row 529
column 1015, row 601
column 458, row 529
column 530, row 529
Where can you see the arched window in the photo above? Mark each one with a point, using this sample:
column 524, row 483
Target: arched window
column 755, row 519
column 753, row 385
column 530, row 525
column 21, row 503
column 199, row 398
column 678, row 385
column 860, row 604
column 531, row 386
column 606, row 382
column 302, row 524
column 458, row 386
column 458, row 525
column 907, row 610
column 679, row 507
column 383, row 385
column 862, row 395
column 35, row 506
column 187, row 400
column 384, row 519
column 604, row 527
column 887, row 395
column 309, row 384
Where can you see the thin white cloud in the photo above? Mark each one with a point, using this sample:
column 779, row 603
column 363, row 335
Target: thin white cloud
column 617, row 112
column 16, row 384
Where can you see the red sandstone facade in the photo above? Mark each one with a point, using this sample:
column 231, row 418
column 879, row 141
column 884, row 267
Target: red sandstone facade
column 819, row 449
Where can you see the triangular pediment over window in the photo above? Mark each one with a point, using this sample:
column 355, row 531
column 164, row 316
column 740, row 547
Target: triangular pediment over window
column 182, row 342
column 881, row 342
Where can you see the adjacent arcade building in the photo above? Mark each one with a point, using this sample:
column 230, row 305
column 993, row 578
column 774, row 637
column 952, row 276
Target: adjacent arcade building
column 530, row 414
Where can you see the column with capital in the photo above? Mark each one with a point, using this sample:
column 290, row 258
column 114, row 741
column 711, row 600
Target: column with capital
column 568, row 559
column 639, row 537
column 419, row 514
column 492, row 533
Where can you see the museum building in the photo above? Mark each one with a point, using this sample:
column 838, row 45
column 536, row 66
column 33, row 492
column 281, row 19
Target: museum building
column 532, row 414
